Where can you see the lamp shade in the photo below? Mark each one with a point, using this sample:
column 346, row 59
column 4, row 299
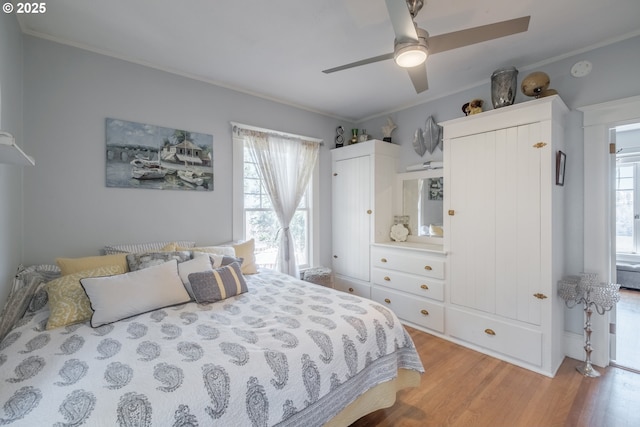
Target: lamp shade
column 410, row 56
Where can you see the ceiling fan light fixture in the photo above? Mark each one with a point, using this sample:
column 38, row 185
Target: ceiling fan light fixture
column 410, row 56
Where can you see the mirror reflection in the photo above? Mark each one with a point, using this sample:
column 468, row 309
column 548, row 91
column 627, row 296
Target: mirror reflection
column 422, row 202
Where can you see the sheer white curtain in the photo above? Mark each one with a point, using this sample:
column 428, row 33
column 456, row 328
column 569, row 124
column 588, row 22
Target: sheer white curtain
column 285, row 166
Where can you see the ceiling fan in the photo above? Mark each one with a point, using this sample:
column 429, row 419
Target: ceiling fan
column 412, row 44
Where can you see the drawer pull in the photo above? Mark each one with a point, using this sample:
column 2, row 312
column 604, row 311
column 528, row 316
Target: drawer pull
column 383, row 260
column 387, row 300
column 335, row 256
column 489, row 332
column 387, row 278
column 428, row 267
column 425, row 287
column 369, row 211
column 424, row 312
column 540, row 296
column 350, row 289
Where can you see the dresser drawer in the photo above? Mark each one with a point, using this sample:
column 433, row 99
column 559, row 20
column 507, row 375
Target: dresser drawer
column 407, row 261
column 352, row 287
column 511, row 340
column 407, row 307
column 417, row 285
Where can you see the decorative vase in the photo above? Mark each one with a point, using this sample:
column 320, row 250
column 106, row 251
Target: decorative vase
column 354, row 136
column 504, row 85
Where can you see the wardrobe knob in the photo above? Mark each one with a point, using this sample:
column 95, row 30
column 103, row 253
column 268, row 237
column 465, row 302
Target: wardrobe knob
column 425, row 287
column 350, row 289
column 369, row 211
column 540, row 296
column 387, row 278
column 387, row 300
column 428, row 267
column 383, row 260
column 489, row 332
column 424, row 312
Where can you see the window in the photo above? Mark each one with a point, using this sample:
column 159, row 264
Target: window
column 627, row 184
column 255, row 218
column 626, row 177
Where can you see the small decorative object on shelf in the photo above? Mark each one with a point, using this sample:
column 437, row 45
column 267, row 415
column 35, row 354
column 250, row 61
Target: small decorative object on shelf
column 537, row 85
column 387, row 129
column 363, row 136
column 586, row 290
column 339, row 137
column 399, row 233
column 504, row 84
column 354, row 136
column 472, row 107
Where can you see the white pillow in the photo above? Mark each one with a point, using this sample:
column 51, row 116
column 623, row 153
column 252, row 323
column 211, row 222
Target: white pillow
column 118, row 297
column 196, row 265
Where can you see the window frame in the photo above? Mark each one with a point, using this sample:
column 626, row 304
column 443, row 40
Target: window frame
column 238, row 218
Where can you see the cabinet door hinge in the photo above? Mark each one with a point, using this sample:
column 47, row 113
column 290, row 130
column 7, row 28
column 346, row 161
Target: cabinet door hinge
column 612, row 328
column 612, row 148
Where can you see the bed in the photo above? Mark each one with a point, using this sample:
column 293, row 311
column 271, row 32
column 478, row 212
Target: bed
column 285, row 352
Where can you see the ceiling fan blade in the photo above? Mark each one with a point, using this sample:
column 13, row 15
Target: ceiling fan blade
column 418, row 77
column 456, row 39
column 359, row 63
column 401, row 20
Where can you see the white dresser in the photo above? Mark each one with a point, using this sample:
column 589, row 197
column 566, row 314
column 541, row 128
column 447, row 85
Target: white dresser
column 409, row 279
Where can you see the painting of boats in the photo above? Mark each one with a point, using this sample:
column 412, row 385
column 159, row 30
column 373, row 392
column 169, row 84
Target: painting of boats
column 154, row 157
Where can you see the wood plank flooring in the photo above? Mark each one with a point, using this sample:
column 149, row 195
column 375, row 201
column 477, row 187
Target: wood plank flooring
column 462, row 387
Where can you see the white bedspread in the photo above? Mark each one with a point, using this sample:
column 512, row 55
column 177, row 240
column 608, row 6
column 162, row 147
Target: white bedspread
column 286, row 353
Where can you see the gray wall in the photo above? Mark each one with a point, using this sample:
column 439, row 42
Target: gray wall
column 70, row 212
column 614, row 76
column 11, row 223
column 69, row 92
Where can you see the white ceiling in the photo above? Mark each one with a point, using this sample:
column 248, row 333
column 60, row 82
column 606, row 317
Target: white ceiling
column 277, row 48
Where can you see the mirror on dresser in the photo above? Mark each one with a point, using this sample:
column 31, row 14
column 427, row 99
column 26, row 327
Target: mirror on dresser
column 419, row 197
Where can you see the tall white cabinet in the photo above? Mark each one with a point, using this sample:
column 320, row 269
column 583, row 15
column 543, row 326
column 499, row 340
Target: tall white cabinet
column 363, row 177
column 504, row 233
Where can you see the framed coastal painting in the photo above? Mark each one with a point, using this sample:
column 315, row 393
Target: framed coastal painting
column 153, row 157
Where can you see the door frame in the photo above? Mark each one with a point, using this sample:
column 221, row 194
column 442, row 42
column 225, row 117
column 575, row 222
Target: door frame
column 599, row 227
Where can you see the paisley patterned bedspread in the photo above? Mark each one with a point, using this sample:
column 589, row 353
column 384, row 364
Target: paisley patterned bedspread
column 287, row 352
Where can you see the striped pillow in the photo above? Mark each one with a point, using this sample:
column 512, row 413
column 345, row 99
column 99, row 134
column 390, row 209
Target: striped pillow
column 219, row 284
column 144, row 247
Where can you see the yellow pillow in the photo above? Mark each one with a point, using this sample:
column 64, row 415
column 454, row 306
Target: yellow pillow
column 246, row 251
column 75, row 265
column 170, row 247
column 68, row 301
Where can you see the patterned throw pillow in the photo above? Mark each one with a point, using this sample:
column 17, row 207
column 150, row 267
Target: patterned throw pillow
column 219, row 284
column 67, row 300
column 139, row 261
column 218, row 261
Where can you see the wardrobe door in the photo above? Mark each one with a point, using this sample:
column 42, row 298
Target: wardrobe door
column 472, row 177
column 351, row 217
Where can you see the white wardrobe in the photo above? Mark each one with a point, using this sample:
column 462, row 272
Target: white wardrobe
column 504, row 239
column 363, row 177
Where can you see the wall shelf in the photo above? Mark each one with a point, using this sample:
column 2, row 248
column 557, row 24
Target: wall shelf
column 11, row 153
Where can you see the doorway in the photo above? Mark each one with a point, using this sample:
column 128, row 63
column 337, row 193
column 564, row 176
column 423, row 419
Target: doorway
column 625, row 351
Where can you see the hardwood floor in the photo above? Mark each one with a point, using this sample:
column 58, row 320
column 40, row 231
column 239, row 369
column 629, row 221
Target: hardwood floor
column 465, row 388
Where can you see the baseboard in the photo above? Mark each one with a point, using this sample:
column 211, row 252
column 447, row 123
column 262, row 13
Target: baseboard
column 574, row 345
